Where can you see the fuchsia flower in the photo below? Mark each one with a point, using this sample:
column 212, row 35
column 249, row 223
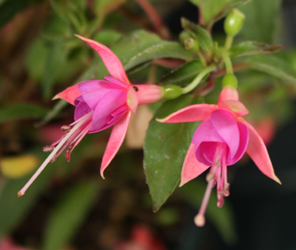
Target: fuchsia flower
column 221, row 140
column 100, row 104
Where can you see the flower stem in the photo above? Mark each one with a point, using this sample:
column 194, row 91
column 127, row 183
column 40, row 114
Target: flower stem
column 228, row 42
column 202, row 58
column 227, row 61
column 199, row 77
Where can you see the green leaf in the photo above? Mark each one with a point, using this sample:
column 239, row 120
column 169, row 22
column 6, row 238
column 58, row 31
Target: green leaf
column 212, row 10
column 142, row 46
column 69, row 214
column 183, row 75
column 253, row 48
column 221, row 218
column 261, row 20
column 164, row 151
column 272, row 65
column 200, row 34
column 21, row 111
column 13, row 209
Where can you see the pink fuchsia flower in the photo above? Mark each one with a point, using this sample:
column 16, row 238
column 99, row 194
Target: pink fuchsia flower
column 221, row 140
column 100, row 104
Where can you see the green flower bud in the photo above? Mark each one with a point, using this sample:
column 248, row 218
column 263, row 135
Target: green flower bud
column 229, row 80
column 233, row 22
column 171, row 91
column 191, row 44
column 184, row 35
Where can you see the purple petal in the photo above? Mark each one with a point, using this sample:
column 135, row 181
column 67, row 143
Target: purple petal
column 106, row 106
column 81, row 108
column 243, row 143
column 93, row 91
column 226, row 126
column 205, row 139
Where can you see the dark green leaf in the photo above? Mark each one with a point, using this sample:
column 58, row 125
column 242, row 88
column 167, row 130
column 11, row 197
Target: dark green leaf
column 13, row 209
column 222, row 218
column 21, row 111
column 272, row 65
column 164, row 151
column 68, row 215
column 200, row 34
column 183, row 75
column 253, row 48
column 213, row 10
column 261, row 20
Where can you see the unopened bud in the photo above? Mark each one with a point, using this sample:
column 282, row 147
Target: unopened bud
column 233, row 22
column 171, row 91
column 229, row 80
column 184, row 35
column 191, row 44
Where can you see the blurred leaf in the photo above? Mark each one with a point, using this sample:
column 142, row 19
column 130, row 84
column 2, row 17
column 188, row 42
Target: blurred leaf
column 54, row 61
column 213, row 10
column 164, row 151
column 221, row 218
column 13, row 209
column 71, row 12
column 8, row 9
column 21, row 111
column 57, row 28
column 104, row 7
column 261, row 19
column 142, row 46
column 253, row 48
column 35, row 59
column 200, row 34
column 69, row 214
column 107, row 36
column 18, row 166
column 183, row 75
column 272, row 65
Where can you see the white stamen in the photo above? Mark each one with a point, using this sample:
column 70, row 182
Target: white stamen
column 52, row 154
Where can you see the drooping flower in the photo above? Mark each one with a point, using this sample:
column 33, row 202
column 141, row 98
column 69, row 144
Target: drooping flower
column 221, row 140
column 100, row 104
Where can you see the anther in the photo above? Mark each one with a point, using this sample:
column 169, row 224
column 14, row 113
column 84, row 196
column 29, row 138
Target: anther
column 136, row 88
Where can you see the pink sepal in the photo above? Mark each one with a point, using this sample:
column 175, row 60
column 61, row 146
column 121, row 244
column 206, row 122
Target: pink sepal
column 191, row 167
column 148, row 93
column 115, row 141
column 192, row 113
column 258, row 152
column 69, row 94
column 111, row 61
column 228, row 93
column 236, row 107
